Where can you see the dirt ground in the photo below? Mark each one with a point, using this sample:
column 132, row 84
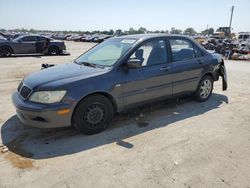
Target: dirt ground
column 179, row 143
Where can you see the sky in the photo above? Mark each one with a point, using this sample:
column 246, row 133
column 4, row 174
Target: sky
column 114, row 14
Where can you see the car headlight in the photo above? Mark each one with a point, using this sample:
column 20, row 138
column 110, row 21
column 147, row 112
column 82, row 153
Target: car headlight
column 47, row 97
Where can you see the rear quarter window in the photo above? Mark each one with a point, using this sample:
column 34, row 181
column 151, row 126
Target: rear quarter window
column 197, row 51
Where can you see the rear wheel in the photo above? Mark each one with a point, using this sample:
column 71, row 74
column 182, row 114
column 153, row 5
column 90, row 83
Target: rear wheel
column 93, row 114
column 5, row 52
column 204, row 89
column 54, row 50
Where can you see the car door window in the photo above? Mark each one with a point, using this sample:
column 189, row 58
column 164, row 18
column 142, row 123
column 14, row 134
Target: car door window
column 181, row 50
column 151, row 53
column 29, row 39
column 197, row 51
column 38, row 38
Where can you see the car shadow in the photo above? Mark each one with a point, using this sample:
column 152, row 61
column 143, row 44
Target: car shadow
column 37, row 143
column 34, row 55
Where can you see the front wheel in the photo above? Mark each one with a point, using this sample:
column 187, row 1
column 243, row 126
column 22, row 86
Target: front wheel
column 93, row 114
column 5, row 52
column 204, row 89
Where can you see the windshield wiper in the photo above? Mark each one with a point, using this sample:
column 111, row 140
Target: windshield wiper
column 87, row 64
column 91, row 64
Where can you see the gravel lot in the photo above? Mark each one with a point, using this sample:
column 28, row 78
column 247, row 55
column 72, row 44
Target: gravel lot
column 171, row 144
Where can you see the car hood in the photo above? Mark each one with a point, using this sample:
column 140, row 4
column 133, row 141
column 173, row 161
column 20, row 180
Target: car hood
column 61, row 73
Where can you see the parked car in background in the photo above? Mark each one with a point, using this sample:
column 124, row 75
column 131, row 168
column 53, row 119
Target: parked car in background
column 102, row 38
column 5, row 36
column 60, row 36
column 244, row 37
column 2, row 38
column 90, row 38
column 73, row 37
column 29, row 44
column 85, row 38
column 78, row 38
column 120, row 73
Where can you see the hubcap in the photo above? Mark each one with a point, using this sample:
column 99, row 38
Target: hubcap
column 94, row 115
column 206, row 88
column 53, row 52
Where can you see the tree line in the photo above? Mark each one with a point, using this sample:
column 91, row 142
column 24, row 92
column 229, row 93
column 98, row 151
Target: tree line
column 189, row 31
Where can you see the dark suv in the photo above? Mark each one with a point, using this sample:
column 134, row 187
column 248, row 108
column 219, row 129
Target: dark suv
column 118, row 74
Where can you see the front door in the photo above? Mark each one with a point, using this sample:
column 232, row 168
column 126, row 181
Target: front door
column 153, row 79
column 26, row 45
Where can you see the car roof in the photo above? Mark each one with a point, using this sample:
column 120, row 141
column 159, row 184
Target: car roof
column 143, row 37
column 151, row 35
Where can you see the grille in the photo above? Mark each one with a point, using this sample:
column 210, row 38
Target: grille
column 24, row 90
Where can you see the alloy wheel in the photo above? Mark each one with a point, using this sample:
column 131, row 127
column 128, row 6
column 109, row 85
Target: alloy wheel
column 206, row 88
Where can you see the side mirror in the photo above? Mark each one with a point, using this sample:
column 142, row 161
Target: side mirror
column 134, row 63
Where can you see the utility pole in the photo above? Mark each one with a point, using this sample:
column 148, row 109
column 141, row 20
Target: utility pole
column 231, row 18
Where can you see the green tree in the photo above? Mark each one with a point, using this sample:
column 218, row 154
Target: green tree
column 142, row 30
column 118, row 32
column 132, row 31
column 175, row 31
column 111, row 32
column 190, row 31
column 209, row 31
column 105, row 32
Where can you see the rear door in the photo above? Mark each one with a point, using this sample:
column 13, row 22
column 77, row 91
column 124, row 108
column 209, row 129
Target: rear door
column 188, row 64
column 41, row 44
column 153, row 79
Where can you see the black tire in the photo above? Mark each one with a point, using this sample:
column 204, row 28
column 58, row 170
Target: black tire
column 93, row 114
column 205, row 89
column 5, row 52
column 53, row 50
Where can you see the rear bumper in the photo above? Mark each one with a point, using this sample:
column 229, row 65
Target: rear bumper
column 40, row 115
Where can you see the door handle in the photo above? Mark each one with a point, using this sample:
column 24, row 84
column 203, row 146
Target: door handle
column 200, row 61
column 165, row 68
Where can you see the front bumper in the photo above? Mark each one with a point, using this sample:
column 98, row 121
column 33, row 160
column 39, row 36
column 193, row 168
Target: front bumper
column 41, row 115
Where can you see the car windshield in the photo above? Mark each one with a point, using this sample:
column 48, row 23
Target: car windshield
column 107, row 53
column 16, row 39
